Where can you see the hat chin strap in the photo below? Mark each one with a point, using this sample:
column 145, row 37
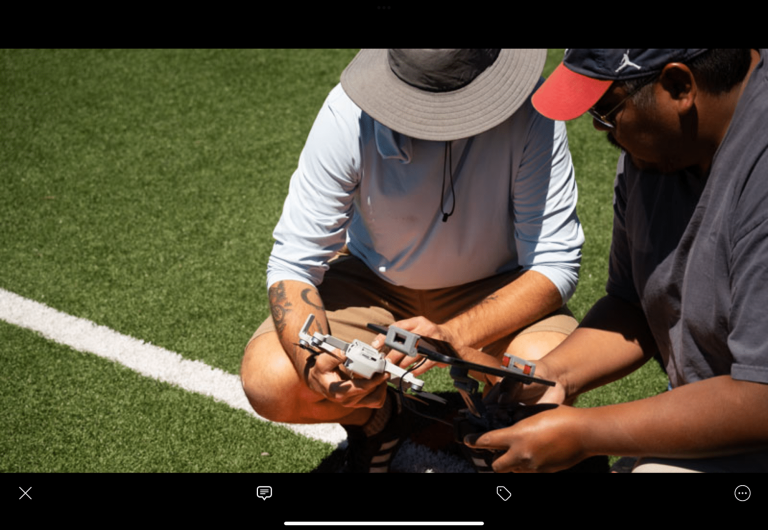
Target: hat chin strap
column 447, row 161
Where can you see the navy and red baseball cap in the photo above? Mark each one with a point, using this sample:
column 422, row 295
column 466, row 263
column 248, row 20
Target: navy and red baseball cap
column 586, row 74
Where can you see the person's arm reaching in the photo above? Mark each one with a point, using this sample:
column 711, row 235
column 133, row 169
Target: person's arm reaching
column 717, row 416
column 714, row 417
column 530, row 297
column 508, row 309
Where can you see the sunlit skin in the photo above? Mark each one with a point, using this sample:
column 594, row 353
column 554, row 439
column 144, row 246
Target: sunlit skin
column 284, row 382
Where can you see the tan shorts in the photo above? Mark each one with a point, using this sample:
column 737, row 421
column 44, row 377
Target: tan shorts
column 354, row 296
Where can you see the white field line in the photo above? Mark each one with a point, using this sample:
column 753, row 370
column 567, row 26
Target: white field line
column 164, row 365
column 147, row 359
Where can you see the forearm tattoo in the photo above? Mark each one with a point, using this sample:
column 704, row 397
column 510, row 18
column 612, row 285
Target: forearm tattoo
column 305, row 296
column 279, row 305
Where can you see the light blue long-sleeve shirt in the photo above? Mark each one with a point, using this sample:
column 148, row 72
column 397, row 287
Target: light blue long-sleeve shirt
column 379, row 192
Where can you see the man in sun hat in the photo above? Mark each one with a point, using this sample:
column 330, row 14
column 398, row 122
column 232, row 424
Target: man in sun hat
column 687, row 274
column 430, row 195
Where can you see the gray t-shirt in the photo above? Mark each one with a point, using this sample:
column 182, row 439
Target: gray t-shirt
column 693, row 251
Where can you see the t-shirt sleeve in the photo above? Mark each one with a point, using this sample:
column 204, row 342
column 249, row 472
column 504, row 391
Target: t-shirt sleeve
column 748, row 320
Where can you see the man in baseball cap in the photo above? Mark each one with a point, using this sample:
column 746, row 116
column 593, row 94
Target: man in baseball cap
column 687, row 272
column 429, row 194
column 585, row 75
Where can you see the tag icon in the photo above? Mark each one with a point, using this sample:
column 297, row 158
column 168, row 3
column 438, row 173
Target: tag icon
column 503, row 492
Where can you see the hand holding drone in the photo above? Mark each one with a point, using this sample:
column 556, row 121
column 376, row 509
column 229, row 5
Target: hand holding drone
column 362, row 359
column 479, row 416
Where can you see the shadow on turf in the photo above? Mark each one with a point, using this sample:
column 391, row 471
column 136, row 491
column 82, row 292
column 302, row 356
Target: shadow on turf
column 439, row 436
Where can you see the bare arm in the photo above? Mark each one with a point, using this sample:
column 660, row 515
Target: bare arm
column 291, row 302
column 612, row 341
column 717, row 416
column 714, row 417
column 517, row 304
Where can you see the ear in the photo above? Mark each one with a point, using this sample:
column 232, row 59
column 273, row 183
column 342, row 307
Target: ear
column 679, row 83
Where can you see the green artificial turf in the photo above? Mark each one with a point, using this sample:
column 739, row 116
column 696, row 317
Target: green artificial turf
column 139, row 191
column 66, row 411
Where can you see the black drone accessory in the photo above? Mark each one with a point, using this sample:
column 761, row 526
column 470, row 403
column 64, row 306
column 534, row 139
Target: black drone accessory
column 478, row 417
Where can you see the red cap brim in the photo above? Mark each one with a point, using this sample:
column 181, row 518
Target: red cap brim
column 566, row 95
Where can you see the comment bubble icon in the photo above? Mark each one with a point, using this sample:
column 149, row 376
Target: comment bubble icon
column 264, row 492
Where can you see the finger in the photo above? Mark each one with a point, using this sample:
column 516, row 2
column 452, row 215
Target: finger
column 504, row 460
column 378, row 341
column 355, row 385
column 373, row 400
column 366, row 385
column 401, row 360
column 358, row 393
column 334, row 362
column 492, row 396
column 420, row 326
column 409, row 362
column 510, row 463
column 487, row 440
column 396, row 357
column 327, row 361
column 527, row 411
column 409, row 324
column 502, row 392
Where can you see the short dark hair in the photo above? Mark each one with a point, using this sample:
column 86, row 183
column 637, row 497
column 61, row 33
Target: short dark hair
column 717, row 71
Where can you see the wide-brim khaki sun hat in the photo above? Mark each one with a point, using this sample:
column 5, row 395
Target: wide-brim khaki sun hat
column 442, row 94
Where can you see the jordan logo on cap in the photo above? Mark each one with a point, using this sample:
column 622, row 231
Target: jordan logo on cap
column 626, row 62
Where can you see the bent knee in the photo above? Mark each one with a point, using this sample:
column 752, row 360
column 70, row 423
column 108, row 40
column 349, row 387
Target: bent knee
column 534, row 346
column 269, row 379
